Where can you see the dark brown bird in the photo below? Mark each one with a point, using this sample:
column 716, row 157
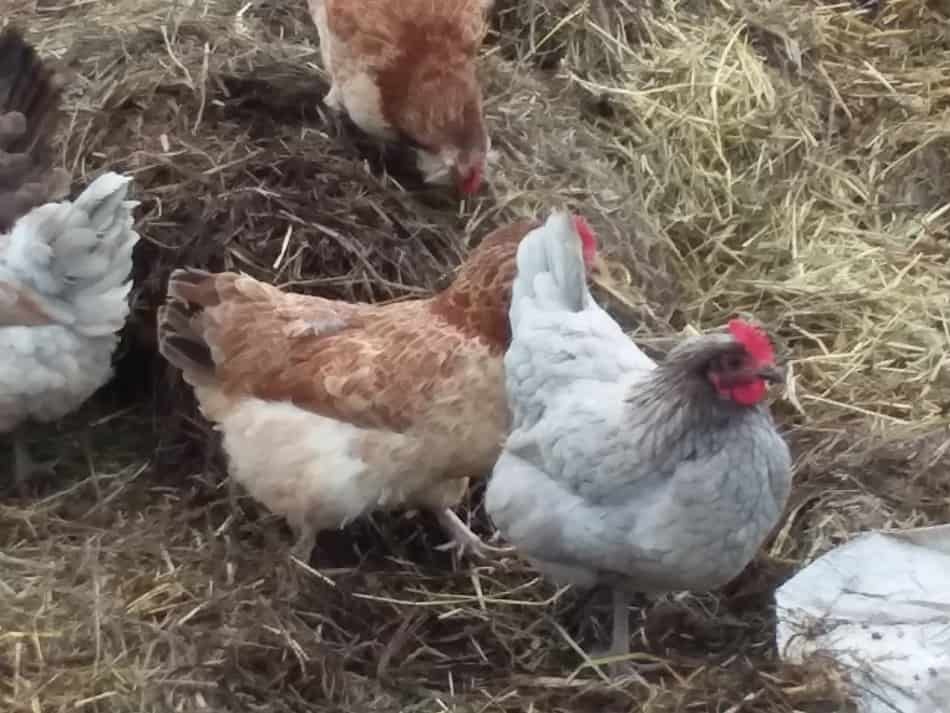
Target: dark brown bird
column 30, row 94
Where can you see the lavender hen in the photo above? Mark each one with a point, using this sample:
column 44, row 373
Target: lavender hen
column 619, row 471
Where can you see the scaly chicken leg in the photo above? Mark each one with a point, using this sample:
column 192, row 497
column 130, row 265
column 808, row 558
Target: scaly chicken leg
column 620, row 639
column 24, row 467
column 464, row 539
column 306, row 541
column 620, row 636
column 620, row 633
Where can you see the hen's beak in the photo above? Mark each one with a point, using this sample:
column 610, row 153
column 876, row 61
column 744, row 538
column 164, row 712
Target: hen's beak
column 772, row 373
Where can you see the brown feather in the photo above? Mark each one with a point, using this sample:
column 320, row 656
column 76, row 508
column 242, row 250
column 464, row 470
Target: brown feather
column 30, row 95
column 374, row 366
column 423, row 54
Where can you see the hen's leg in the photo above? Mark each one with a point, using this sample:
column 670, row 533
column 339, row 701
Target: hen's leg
column 464, row 539
column 620, row 637
column 620, row 640
column 620, row 633
column 24, row 467
column 337, row 120
column 306, row 540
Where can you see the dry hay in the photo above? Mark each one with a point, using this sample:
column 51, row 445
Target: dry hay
column 785, row 159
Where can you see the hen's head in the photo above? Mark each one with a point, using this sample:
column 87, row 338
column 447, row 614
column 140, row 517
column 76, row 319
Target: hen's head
column 435, row 103
column 743, row 364
column 737, row 364
column 464, row 144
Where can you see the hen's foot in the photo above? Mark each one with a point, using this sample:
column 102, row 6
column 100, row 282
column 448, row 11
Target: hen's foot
column 626, row 668
column 25, row 469
column 465, row 540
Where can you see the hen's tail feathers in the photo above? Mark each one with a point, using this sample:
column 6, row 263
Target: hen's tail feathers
column 30, row 95
column 551, row 272
column 78, row 255
column 180, row 336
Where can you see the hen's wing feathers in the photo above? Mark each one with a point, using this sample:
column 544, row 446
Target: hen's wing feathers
column 358, row 363
column 556, row 523
column 29, row 114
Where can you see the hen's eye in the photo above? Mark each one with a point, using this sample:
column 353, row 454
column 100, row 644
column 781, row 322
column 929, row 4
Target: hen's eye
column 733, row 362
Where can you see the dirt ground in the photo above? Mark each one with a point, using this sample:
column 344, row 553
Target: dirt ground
column 787, row 160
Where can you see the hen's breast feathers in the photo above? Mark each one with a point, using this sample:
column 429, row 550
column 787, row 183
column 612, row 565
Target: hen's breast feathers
column 666, row 508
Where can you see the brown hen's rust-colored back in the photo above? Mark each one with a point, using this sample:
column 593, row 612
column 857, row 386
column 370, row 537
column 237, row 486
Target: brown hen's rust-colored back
column 423, row 55
column 375, row 28
column 30, row 95
column 374, row 366
column 478, row 300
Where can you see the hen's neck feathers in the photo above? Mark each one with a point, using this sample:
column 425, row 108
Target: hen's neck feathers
column 478, row 299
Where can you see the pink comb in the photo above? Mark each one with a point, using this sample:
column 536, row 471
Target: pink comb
column 755, row 341
column 588, row 237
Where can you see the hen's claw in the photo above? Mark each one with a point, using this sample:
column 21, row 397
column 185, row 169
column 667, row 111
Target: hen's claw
column 625, row 668
column 465, row 540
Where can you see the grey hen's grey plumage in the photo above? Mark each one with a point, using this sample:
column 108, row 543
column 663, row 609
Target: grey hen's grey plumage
column 64, row 265
column 30, row 94
column 618, row 471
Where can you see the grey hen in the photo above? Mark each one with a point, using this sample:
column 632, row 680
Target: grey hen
column 64, row 266
column 619, row 471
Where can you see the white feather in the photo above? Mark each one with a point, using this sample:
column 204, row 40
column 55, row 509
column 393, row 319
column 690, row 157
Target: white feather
column 74, row 259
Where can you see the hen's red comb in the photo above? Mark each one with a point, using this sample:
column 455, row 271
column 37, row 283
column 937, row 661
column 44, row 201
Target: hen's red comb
column 588, row 237
column 755, row 341
column 472, row 182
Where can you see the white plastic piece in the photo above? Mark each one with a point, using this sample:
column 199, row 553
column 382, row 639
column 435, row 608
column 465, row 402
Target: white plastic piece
column 880, row 606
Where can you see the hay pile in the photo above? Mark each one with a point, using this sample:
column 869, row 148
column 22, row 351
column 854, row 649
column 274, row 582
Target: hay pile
column 786, row 159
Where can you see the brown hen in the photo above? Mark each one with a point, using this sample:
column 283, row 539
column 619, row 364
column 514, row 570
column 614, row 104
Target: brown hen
column 29, row 113
column 406, row 71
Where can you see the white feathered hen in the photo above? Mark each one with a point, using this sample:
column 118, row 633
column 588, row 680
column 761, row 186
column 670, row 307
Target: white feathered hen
column 64, row 285
column 619, row 471
column 64, row 267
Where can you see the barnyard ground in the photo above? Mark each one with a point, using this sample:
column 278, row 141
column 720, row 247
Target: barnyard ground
column 786, row 160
